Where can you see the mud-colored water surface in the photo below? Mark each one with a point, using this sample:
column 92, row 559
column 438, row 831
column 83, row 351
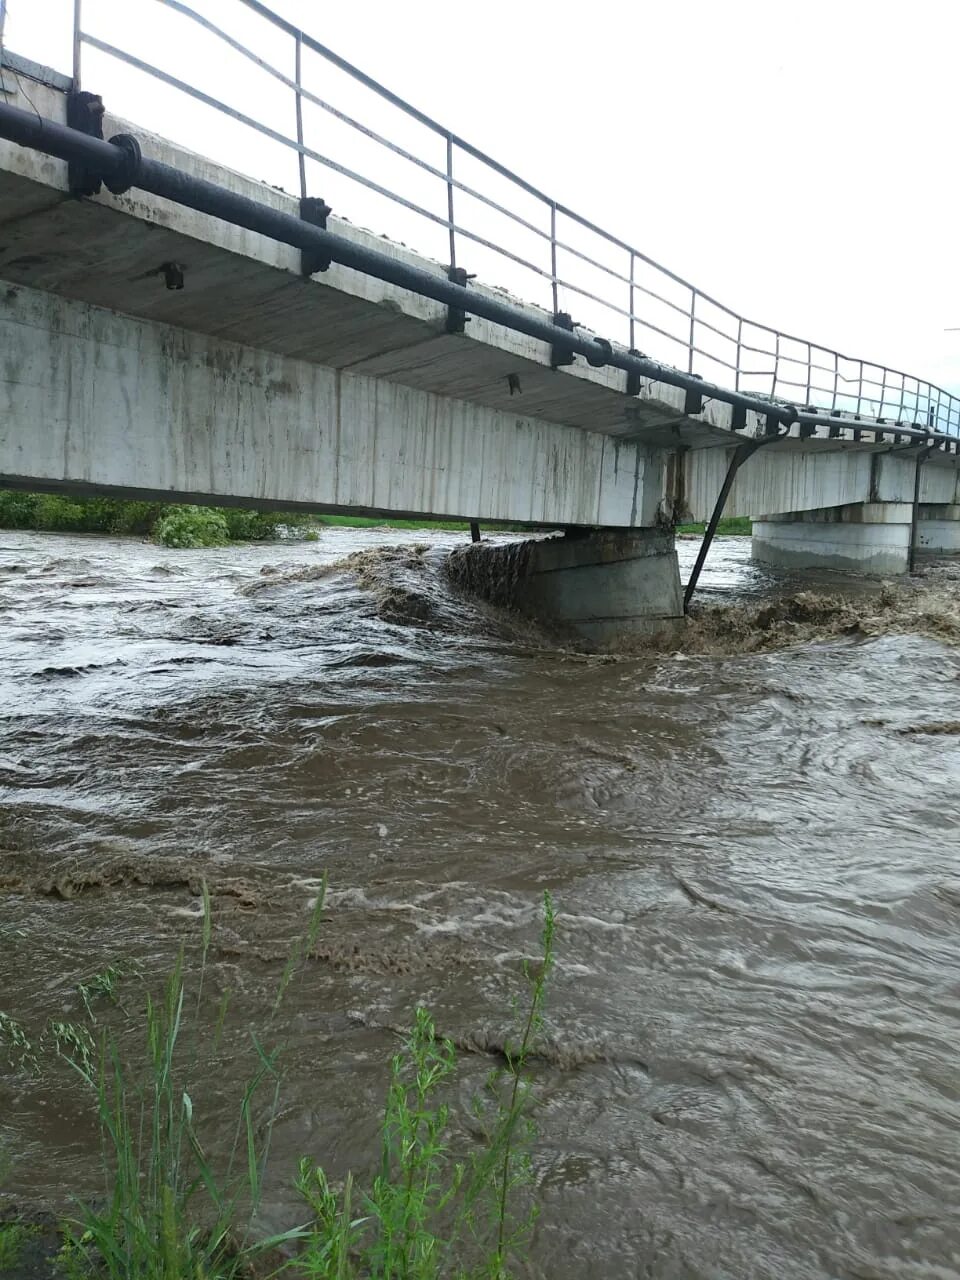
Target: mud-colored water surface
column 752, row 1066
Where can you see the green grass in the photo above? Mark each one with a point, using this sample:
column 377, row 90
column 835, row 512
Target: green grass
column 171, row 1210
column 14, row 1238
column 736, row 526
column 428, row 1215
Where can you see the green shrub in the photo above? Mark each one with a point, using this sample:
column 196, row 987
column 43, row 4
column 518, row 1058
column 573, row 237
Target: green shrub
column 192, row 527
column 251, row 525
column 17, row 510
column 54, row 512
column 135, row 517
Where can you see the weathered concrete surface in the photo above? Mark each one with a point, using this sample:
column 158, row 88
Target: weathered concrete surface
column 90, row 399
column 938, row 529
column 604, row 586
column 868, row 538
column 814, row 475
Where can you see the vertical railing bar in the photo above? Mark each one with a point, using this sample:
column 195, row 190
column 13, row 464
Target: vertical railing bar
column 553, row 257
column 453, row 234
column 693, row 321
column 860, row 388
column 736, row 379
column 76, row 44
column 298, row 70
column 883, row 391
column 3, row 18
column 776, row 363
column 836, row 381
column 633, row 323
column 809, row 373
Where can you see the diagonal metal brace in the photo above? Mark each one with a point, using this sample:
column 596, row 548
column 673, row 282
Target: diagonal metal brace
column 744, row 450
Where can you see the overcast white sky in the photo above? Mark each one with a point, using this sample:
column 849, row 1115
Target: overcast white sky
column 794, row 158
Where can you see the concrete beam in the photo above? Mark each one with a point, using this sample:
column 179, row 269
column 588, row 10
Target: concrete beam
column 94, row 400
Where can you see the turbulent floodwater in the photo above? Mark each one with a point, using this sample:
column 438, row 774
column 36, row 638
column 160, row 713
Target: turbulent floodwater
column 751, row 1067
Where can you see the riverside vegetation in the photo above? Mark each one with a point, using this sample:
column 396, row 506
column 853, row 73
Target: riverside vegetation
column 180, row 525
column 171, row 1210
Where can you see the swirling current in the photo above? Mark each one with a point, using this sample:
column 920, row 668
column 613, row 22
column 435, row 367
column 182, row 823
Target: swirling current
column 750, row 1065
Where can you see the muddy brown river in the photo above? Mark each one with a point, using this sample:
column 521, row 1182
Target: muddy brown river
column 752, row 1066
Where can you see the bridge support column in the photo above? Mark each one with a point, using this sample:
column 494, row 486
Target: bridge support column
column 870, row 538
column 604, row 585
column 938, row 529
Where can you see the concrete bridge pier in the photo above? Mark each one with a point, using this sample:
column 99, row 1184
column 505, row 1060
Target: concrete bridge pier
column 938, row 529
column 606, row 585
column 870, row 538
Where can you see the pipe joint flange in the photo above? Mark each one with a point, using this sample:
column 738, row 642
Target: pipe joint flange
column 129, row 171
column 601, row 355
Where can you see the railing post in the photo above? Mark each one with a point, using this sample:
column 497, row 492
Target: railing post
column 3, row 18
column 633, row 323
column 809, row 400
column 883, row 391
column 299, row 98
column 836, row 381
column 452, row 229
column 553, row 256
column 736, row 376
column 76, row 45
column 693, row 321
column 776, row 363
column 860, row 388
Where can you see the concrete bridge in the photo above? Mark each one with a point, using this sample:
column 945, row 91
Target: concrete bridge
column 171, row 329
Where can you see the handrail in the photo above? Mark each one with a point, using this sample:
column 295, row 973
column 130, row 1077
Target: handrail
column 843, row 384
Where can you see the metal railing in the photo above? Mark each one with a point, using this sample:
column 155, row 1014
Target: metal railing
column 629, row 298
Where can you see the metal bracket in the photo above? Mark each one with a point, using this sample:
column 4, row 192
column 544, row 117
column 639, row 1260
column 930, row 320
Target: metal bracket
column 692, row 400
column 738, row 417
column 315, row 211
column 560, row 355
column 634, row 380
column 457, row 318
column 85, row 114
